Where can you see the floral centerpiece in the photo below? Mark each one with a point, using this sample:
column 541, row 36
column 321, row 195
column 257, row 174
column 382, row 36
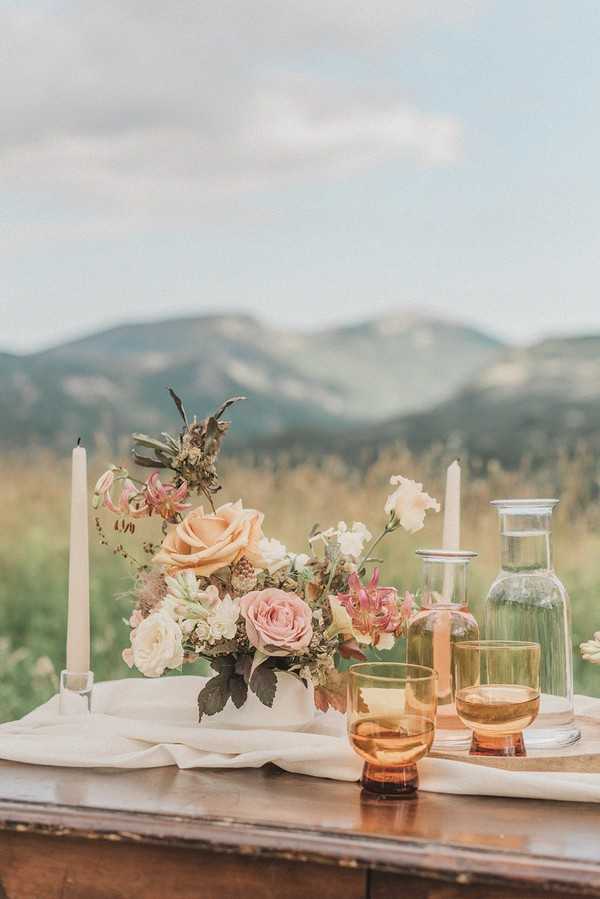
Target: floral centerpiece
column 217, row 588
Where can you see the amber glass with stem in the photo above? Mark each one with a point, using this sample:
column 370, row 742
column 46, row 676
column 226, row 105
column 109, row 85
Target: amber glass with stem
column 497, row 693
column 391, row 723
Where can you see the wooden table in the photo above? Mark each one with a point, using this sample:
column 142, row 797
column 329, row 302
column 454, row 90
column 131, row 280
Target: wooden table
column 66, row 834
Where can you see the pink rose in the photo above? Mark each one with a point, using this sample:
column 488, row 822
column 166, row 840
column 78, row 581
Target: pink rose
column 277, row 623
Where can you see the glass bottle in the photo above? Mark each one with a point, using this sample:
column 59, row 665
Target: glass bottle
column 527, row 601
column 444, row 619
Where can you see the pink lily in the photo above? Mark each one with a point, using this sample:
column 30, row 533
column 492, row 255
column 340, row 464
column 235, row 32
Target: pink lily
column 372, row 610
column 104, row 484
column 166, row 499
column 408, row 605
column 131, row 501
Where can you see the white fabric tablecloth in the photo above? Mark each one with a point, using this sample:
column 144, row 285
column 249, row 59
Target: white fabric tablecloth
column 138, row 723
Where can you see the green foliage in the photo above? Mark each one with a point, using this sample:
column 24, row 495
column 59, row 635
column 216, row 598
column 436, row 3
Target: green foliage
column 264, row 682
column 228, row 683
column 213, row 698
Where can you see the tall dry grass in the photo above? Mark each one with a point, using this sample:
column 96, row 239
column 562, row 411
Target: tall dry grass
column 34, row 547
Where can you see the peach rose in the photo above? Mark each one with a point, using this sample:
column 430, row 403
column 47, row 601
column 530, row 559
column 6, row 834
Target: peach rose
column 204, row 543
column 277, row 623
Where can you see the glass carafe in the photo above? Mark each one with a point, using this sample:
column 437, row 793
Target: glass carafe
column 444, row 619
column 527, row 601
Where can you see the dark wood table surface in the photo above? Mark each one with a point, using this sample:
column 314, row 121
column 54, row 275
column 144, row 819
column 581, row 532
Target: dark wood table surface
column 67, row 833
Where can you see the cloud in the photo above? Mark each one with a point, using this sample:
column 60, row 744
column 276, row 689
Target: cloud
column 135, row 104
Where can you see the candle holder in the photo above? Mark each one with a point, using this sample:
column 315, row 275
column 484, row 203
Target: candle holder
column 443, row 622
column 75, row 693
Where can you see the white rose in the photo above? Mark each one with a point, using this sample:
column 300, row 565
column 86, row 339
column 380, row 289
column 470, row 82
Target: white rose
column 409, row 503
column 172, row 607
column 157, row 644
column 274, row 553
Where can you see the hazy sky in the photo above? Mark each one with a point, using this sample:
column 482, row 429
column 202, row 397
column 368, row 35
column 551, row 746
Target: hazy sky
column 310, row 161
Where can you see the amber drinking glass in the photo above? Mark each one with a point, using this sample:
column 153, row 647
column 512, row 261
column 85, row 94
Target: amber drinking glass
column 497, row 693
column 391, row 723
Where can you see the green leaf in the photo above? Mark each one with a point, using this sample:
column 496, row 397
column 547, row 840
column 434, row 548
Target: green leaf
column 150, row 442
column 223, row 664
column 230, row 402
column 259, row 659
column 238, row 689
column 144, row 462
column 170, row 440
column 264, row 683
column 213, row 697
column 243, row 666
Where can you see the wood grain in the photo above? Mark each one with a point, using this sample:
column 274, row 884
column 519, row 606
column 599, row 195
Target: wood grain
column 35, row 867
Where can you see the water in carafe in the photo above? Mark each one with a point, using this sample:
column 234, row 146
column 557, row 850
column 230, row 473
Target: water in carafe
column 527, row 601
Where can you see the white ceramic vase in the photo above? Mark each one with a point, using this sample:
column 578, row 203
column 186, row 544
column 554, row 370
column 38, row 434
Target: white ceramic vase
column 293, row 708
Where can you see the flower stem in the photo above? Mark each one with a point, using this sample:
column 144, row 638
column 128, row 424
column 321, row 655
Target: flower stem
column 390, row 526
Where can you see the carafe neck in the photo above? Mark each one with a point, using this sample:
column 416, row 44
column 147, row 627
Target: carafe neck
column 444, row 578
column 526, row 537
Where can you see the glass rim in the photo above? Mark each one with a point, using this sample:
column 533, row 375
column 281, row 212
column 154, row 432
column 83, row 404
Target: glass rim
column 497, row 644
column 446, row 555
column 531, row 506
column 421, row 672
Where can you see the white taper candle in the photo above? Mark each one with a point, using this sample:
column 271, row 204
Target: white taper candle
column 78, row 627
column 451, row 532
column 442, row 635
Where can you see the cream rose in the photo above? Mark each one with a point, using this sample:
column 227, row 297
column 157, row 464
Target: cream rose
column 204, row 543
column 277, row 623
column 156, row 644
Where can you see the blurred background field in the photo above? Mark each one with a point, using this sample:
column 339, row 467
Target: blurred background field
column 34, row 547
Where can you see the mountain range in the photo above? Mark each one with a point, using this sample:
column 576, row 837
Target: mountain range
column 406, row 377
column 529, row 402
column 115, row 381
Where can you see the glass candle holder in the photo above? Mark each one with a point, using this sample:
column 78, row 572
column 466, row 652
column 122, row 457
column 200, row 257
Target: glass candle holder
column 391, row 723
column 444, row 619
column 527, row 601
column 497, row 693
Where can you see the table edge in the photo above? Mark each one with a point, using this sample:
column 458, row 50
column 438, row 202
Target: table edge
column 408, row 856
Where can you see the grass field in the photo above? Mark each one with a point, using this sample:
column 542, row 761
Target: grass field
column 34, row 549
